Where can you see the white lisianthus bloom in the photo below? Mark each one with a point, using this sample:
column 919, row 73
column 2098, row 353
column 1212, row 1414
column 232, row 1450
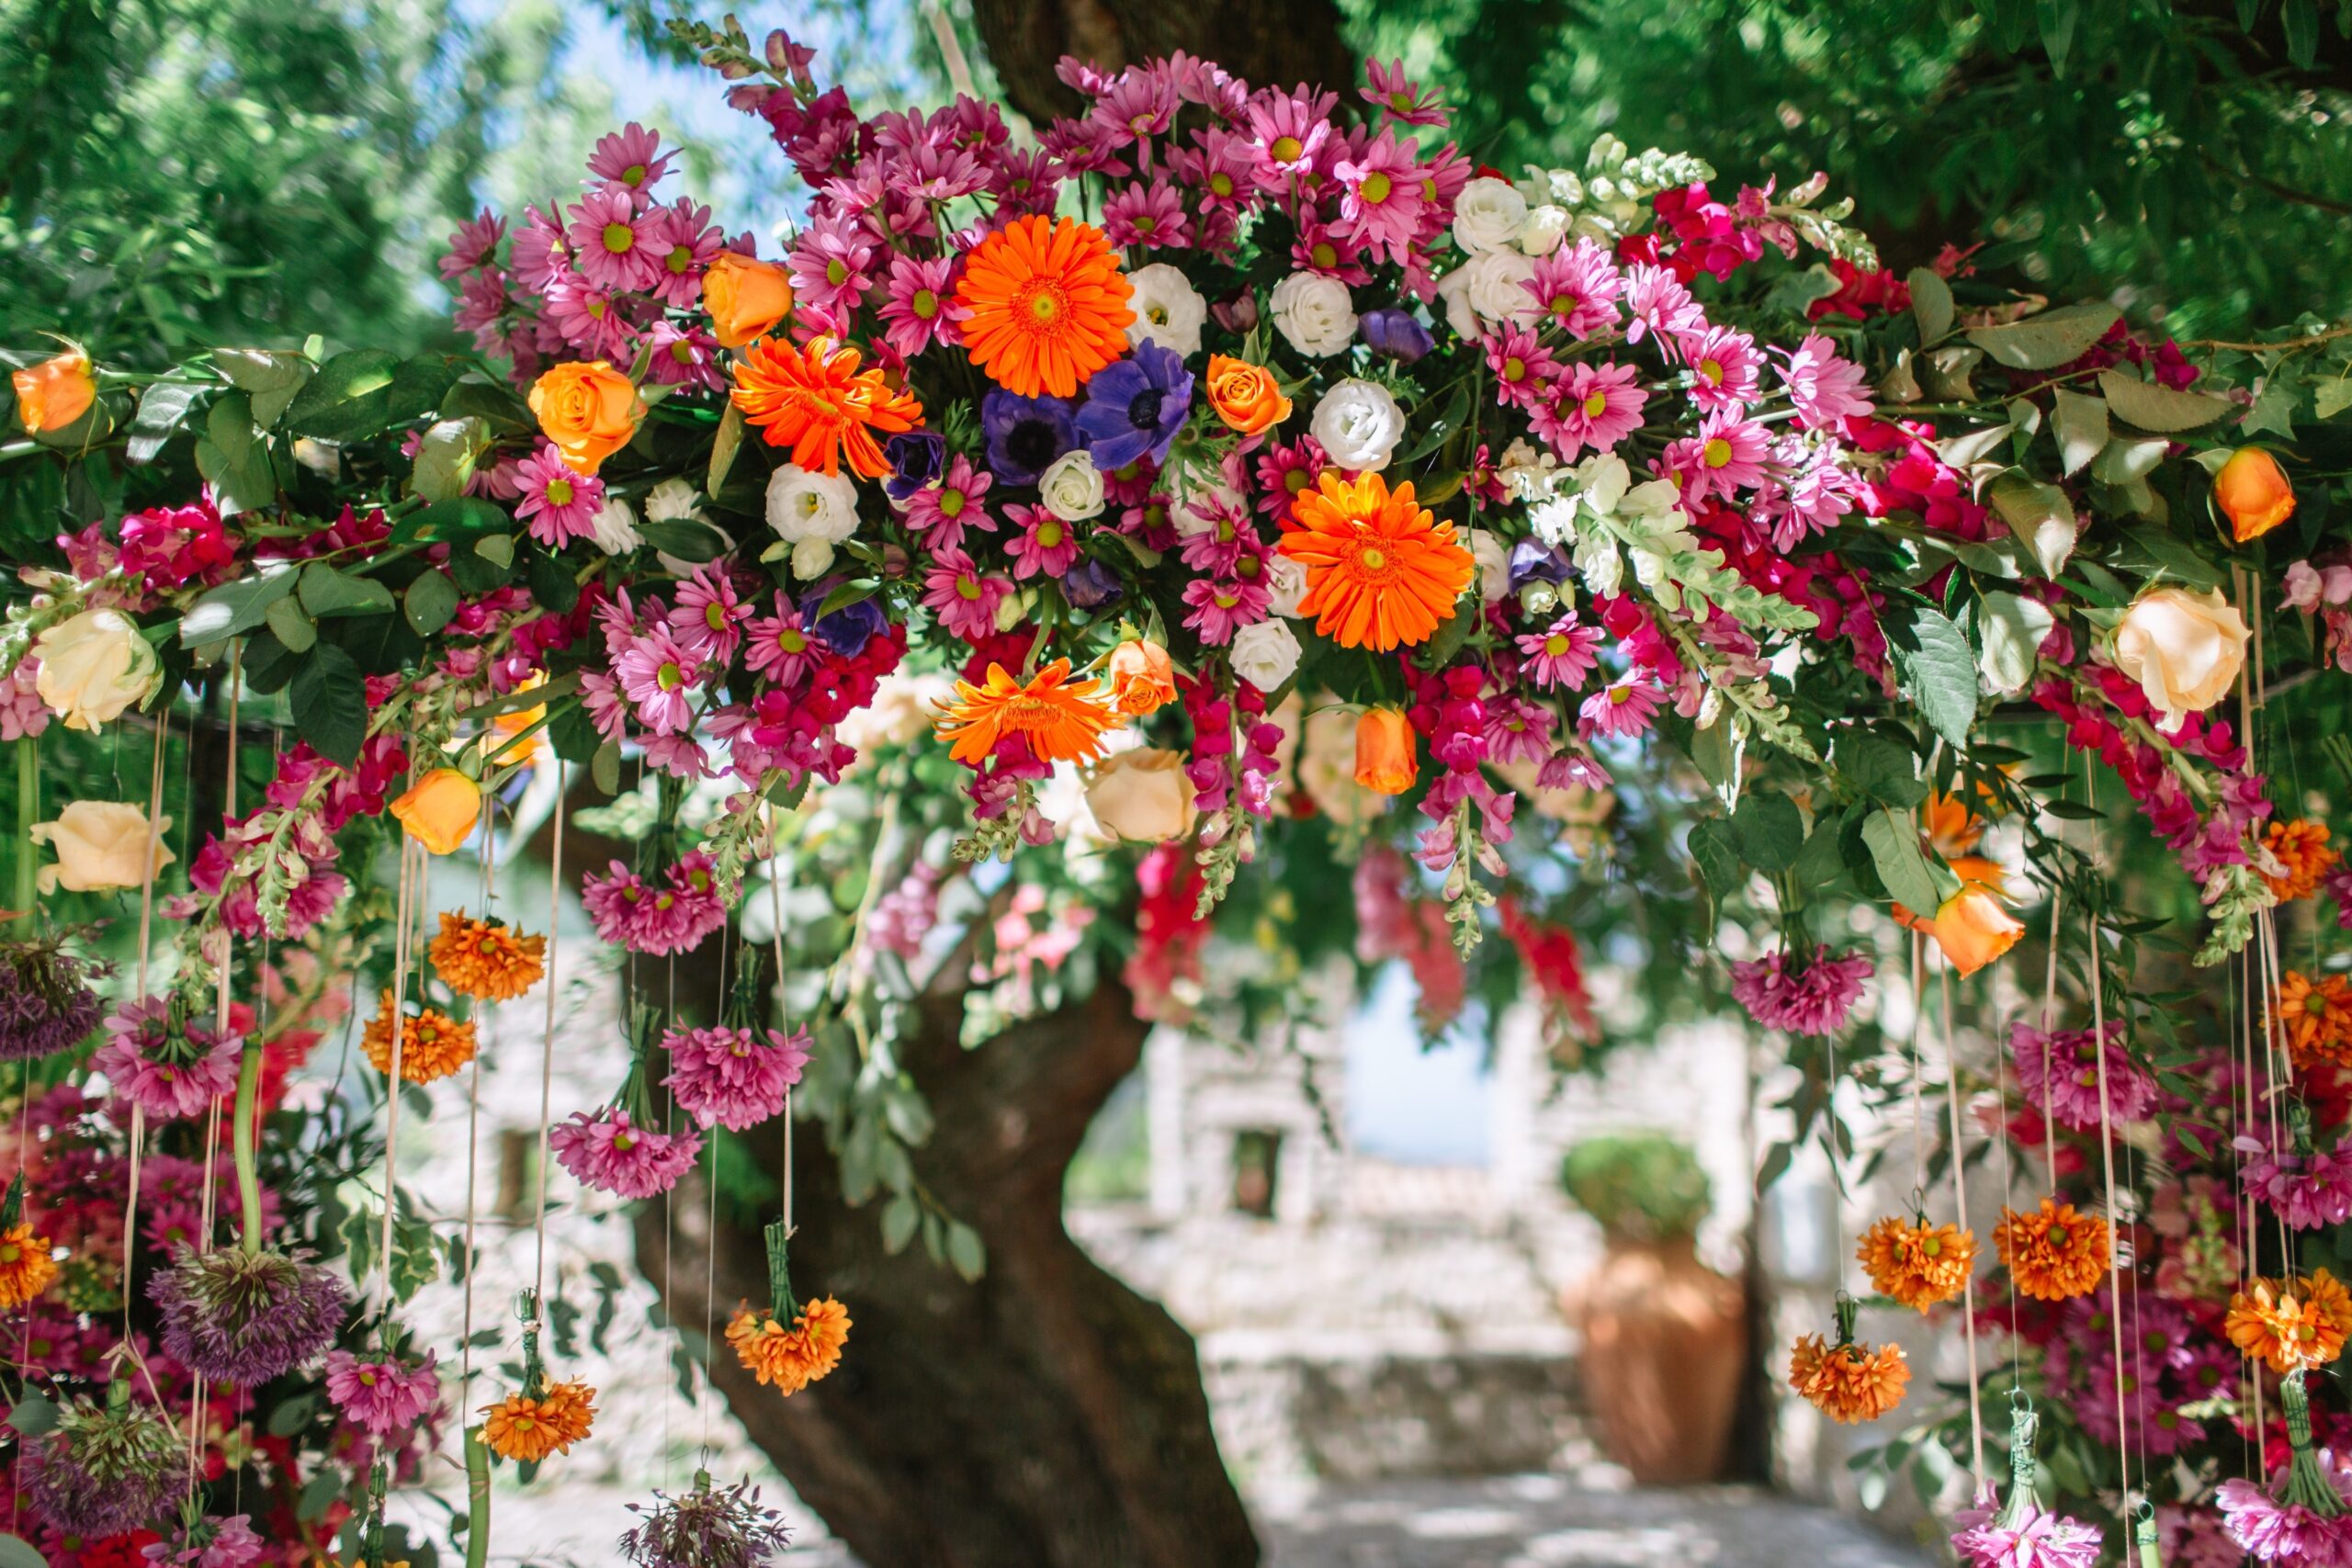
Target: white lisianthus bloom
column 1169, row 309
column 1526, row 470
column 100, row 845
column 1545, row 228
column 1494, row 564
column 93, row 666
column 1495, row 291
column 673, row 500
column 1314, row 314
column 1285, row 582
column 1488, row 215
column 613, row 528
column 1071, row 487
column 804, row 505
column 1265, row 654
column 1358, row 424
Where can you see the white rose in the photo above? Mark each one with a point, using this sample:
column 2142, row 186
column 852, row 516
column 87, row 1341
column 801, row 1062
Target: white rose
column 904, row 708
column 1072, row 488
column 1313, row 313
column 1265, row 653
column 1494, row 564
column 1488, row 215
column 2184, row 649
column 102, row 844
column 804, row 506
column 1358, row 424
column 1169, row 309
column 1545, row 228
column 1142, row 795
column 673, row 500
column 613, row 528
column 1453, row 290
column 93, row 666
column 1285, row 584
column 1494, row 291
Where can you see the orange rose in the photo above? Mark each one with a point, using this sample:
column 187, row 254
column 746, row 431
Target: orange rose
column 589, row 410
column 1388, row 760
column 1141, row 678
column 440, row 810
column 54, row 393
column 2253, row 494
column 1974, row 928
column 746, row 297
column 1245, row 395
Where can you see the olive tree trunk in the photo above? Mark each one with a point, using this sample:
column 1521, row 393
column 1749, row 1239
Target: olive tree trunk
column 1043, row 1416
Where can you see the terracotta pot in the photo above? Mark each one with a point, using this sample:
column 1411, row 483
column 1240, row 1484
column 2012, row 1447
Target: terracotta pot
column 1664, row 1343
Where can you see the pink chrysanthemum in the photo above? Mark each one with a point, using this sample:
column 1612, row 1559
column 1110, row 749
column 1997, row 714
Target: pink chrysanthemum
column 830, row 264
column 2061, row 1071
column 540, row 257
column 1577, row 288
column 659, row 919
column 708, row 618
column 168, row 1073
column 1656, row 303
column 1388, row 88
column 605, row 1150
column 382, row 1397
column 779, row 645
column 915, row 304
column 1594, row 405
column 964, row 597
column 1285, row 472
column 2275, row 1530
column 942, row 511
column 1562, row 655
column 682, row 354
column 731, row 1077
column 630, row 158
column 683, row 242
column 2041, row 1540
column 1620, row 709
column 1045, row 546
column 1524, row 369
column 1518, row 729
column 2307, row 1192
column 1146, row 217
column 1726, row 458
column 1287, row 134
column 1724, row 369
column 1826, row 388
column 558, row 504
column 1222, row 607
column 659, row 677
column 473, row 245
column 1815, row 1000
column 585, row 316
column 1380, row 204
column 618, row 248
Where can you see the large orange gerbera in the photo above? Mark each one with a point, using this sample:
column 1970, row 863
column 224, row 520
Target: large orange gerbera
column 1062, row 719
column 2316, row 1012
column 1848, row 1382
column 1380, row 570
column 817, row 401
column 1043, row 305
column 1917, row 1264
column 2291, row 1325
column 2053, row 1252
column 2302, row 848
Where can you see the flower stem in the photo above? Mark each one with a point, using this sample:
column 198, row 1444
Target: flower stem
column 241, row 1142
column 477, row 1500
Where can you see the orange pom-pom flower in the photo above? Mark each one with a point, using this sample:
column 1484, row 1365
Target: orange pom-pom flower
column 2053, row 1252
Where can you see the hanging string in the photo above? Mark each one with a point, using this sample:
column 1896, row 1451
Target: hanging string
column 1960, row 1205
column 211, row 1185
column 546, row 1050
column 1918, row 1076
column 411, row 875
column 146, row 926
column 2048, row 1041
column 473, row 1112
column 775, row 908
column 2114, row 1214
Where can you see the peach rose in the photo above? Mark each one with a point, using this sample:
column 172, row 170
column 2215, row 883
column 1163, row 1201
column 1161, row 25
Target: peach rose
column 1142, row 795
column 440, row 809
column 1388, row 760
column 2184, row 649
column 588, row 408
column 1974, row 928
column 2253, row 494
column 1142, row 679
column 746, row 297
column 102, row 845
column 54, row 393
column 1245, row 395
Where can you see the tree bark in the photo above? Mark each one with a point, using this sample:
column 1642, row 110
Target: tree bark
column 1277, row 44
column 1043, row 1416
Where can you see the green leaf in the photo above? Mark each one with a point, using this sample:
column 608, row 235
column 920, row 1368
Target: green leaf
column 604, row 767
column 2080, row 425
column 451, row 520
column 964, row 1253
column 684, row 538
column 1439, row 427
column 2038, row 514
column 446, row 456
column 901, row 1215
column 296, row 631
column 1717, row 752
column 429, row 603
column 2011, row 627
column 162, row 408
column 573, row 732
column 2124, row 460
column 2273, row 410
column 2161, row 410
column 330, row 702
column 1937, row 669
column 1771, row 832
column 552, row 584
column 18, row 1553
column 724, row 444
column 324, row 405
column 2154, row 553
column 235, row 608
column 33, row 1416
column 268, row 663
column 855, row 590
column 1715, row 850
column 318, row 1494
column 1930, row 303
column 271, row 375
column 232, row 458
column 1901, row 864
column 1880, row 767
column 2049, row 340
column 484, row 564
column 327, row 590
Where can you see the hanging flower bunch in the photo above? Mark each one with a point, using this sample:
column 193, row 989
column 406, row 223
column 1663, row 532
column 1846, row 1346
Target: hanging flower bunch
column 789, row 1343
column 1846, row 1381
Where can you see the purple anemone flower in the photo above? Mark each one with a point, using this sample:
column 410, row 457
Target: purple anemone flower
column 1090, row 585
column 1025, row 434
column 916, row 458
column 1394, row 334
column 1134, row 408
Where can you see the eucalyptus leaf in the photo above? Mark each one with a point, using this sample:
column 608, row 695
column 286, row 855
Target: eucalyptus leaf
column 2038, row 514
column 1901, row 864
column 1931, row 305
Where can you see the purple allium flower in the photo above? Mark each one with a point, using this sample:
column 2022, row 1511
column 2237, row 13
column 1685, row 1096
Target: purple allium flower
column 707, row 1529
column 1395, row 334
column 46, row 1003
column 1025, row 435
column 731, row 1077
column 2274, row 1528
column 1812, row 1000
column 169, row 1073
column 2061, row 1071
column 246, row 1316
column 1135, row 406
column 383, row 1397
column 103, row 1470
column 209, row 1543
column 605, row 1150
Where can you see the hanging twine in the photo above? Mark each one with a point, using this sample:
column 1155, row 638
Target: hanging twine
column 547, row 1049
column 473, row 1114
column 2114, row 1215
column 776, row 906
column 411, row 870
column 146, row 926
column 1959, row 1206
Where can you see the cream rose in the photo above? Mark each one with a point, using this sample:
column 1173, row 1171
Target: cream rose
column 1169, row 309
column 1285, row 585
column 1547, row 226
column 1072, row 488
column 2184, row 649
column 1265, row 653
column 1488, row 215
column 93, row 666
column 1314, row 314
column 1358, row 424
column 613, row 528
column 1494, row 564
column 673, row 500
column 102, row 845
column 1142, row 795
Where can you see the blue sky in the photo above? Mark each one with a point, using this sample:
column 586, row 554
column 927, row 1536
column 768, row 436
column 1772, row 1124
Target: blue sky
column 1405, row 1103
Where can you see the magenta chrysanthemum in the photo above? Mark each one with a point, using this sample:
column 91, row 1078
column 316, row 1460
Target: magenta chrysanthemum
column 209, row 1543
column 2306, row 1190
column 732, row 1077
column 2274, row 1530
column 166, row 1072
column 382, row 1396
column 607, row 1151
column 2061, row 1071
column 1811, row 1001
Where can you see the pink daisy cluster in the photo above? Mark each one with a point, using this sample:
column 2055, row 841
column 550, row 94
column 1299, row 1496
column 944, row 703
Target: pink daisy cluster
column 733, row 1078
column 2040, row 1540
column 165, row 1063
column 1814, row 997
column 2306, row 1189
column 609, row 1151
column 671, row 914
column 2061, row 1071
column 384, row 1396
column 2270, row 1525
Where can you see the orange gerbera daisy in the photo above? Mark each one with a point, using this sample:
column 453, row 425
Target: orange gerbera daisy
column 2302, row 848
column 485, row 960
column 527, row 1430
column 1380, row 570
column 2316, row 1013
column 1062, row 719
column 1920, row 1265
column 2053, row 1253
column 791, row 1358
column 25, row 1267
column 817, row 401
column 1043, row 305
column 1848, row 1382
column 2292, row 1326
column 432, row 1044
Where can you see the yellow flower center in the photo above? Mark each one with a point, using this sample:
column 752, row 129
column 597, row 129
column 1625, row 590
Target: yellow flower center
column 1376, row 187
column 714, row 616
column 1514, row 368
column 1221, row 185
column 679, row 258
column 791, row 641
column 1324, row 254
column 1286, row 149
column 968, row 587
column 951, row 503
column 925, row 304
column 560, row 492
column 2056, row 1237
column 1043, row 302
column 1595, row 404
column 669, row 677
column 619, row 238
column 1050, row 535
column 1556, row 645
column 1717, row 451
column 836, row 272
column 1712, row 372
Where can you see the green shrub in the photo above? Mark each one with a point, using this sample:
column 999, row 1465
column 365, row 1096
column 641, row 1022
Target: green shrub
column 1640, row 1186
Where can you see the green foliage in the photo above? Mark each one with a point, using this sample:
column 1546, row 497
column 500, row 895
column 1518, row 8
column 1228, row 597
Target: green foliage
column 1640, row 1186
